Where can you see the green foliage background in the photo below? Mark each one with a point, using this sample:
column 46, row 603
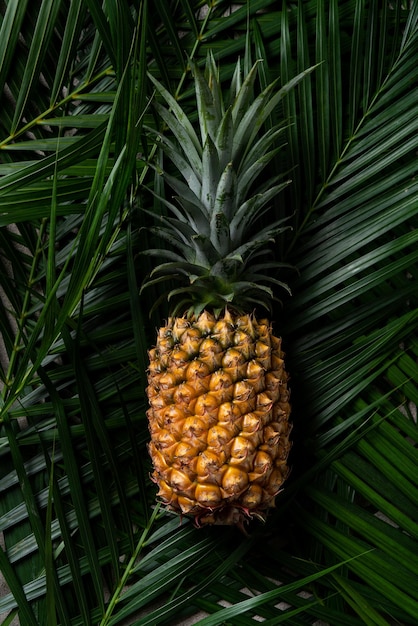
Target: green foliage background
column 83, row 542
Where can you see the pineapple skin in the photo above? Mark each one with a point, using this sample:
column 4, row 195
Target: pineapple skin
column 218, row 417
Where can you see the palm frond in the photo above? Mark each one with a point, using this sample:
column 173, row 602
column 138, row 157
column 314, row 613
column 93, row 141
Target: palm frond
column 75, row 497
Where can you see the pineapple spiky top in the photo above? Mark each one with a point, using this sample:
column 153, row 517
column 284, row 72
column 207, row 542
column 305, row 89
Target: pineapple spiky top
column 217, row 248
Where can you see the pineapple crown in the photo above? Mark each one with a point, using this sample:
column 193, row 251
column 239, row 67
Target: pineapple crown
column 215, row 248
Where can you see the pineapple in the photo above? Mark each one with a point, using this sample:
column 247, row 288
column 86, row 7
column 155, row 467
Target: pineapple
column 217, row 384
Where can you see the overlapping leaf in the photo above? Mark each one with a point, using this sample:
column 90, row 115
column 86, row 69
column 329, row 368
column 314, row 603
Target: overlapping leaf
column 75, row 330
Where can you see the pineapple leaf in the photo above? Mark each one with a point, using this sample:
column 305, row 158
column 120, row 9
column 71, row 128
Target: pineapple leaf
column 252, row 209
column 255, row 276
column 236, row 82
column 252, row 121
column 172, row 236
column 184, row 231
column 249, row 175
column 261, row 146
column 224, row 198
column 258, row 112
column 196, row 215
column 198, row 249
column 211, row 167
column 263, row 295
column 192, row 174
column 177, row 212
column 184, row 192
column 224, row 139
column 208, row 98
column 197, row 291
column 188, row 150
column 244, row 94
column 162, row 252
column 179, row 267
column 183, row 126
column 246, row 250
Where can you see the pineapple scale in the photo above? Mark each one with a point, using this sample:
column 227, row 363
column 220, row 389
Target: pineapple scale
column 218, row 417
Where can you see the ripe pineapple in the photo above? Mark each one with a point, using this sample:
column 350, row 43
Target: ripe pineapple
column 217, row 385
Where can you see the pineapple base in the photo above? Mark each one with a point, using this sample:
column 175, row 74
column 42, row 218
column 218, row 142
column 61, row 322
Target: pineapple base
column 218, row 417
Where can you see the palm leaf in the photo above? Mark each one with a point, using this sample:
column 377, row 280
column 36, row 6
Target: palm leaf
column 75, row 497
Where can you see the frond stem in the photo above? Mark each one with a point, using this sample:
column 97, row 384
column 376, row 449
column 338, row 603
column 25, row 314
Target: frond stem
column 40, row 118
column 128, row 569
column 344, row 151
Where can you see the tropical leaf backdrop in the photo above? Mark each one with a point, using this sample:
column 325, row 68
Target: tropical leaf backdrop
column 83, row 542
